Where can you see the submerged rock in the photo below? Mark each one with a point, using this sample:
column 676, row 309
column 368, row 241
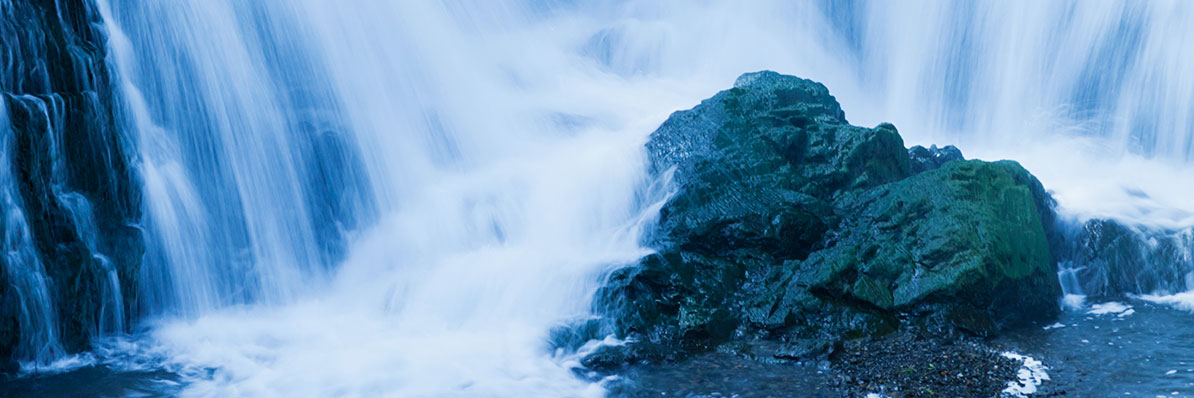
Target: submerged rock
column 790, row 224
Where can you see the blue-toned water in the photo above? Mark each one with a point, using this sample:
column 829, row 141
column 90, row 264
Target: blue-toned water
column 379, row 198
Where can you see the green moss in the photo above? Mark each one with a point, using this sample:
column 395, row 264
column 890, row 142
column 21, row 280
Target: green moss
column 789, row 221
column 873, row 292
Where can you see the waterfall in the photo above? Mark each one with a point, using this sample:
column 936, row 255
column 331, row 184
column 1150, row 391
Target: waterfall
column 421, row 216
column 38, row 340
column 1093, row 97
column 70, row 238
column 374, row 197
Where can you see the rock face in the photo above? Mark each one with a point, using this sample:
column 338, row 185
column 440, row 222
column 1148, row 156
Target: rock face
column 69, row 197
column 791, row 225
column 932, row 158
column 1113, row 259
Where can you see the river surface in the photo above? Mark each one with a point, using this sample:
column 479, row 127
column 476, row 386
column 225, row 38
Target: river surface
column 1132, row 347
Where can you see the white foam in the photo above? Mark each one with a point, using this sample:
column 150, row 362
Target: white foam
column 1182, row 301
column 1057, row 325
column 1074, row 301
column 1029, row 377
column 270, row 353
column 1111, row 307
column 494, row 222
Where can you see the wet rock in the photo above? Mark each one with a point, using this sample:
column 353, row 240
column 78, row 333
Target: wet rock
column 796, row 349
column 789, row 223
column 608, row 358
column 1113, row 259
column 75, row 192
column 907, row 366
column 932, row 158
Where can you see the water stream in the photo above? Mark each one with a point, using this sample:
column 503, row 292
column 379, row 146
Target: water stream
column 379, row 198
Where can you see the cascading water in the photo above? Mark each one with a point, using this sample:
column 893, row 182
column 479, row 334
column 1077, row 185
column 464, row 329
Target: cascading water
column 39, row 323
column 495, row 207
column 402, row 198
column 70, row 237
column 24, row 272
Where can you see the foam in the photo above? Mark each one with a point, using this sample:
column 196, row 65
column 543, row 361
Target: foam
column 1030, row 376
column 1182, row 301
column 1111, row 307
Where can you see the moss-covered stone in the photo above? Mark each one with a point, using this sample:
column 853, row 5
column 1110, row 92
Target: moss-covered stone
column 789, row 223
column 966, row 234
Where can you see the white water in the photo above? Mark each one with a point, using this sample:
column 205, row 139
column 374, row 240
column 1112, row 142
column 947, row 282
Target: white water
column 39, row 346
column 1030, row 376
column 487, row 166
column 25, row 273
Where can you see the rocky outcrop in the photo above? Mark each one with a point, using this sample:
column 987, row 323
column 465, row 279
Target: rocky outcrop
column 924, row 159
column 71, row 200
column 1109, row 258
column 790, row 225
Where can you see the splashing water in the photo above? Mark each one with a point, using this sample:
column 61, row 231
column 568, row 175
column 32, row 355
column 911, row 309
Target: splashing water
column 381, row 198
column 498, row 207
column 23, row 268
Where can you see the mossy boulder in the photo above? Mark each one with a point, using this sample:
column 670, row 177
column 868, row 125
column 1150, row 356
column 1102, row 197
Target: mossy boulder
column 965, row 235
column 788, row 223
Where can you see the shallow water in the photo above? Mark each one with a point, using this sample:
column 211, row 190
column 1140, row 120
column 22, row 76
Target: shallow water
column 1131, row 347
column 93, row 381
column 719, row 374
column 709, row 375
column 1145, row 350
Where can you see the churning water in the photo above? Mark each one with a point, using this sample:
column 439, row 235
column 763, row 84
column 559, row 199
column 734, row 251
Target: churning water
column 385, row 198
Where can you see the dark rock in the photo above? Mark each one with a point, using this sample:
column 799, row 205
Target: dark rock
column 925, row 159
column 790, row 223
column 1113, row 259
column 771, row 350
column 69, row 160
column 966, row 235
column 607, row 358
column 804, row 349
